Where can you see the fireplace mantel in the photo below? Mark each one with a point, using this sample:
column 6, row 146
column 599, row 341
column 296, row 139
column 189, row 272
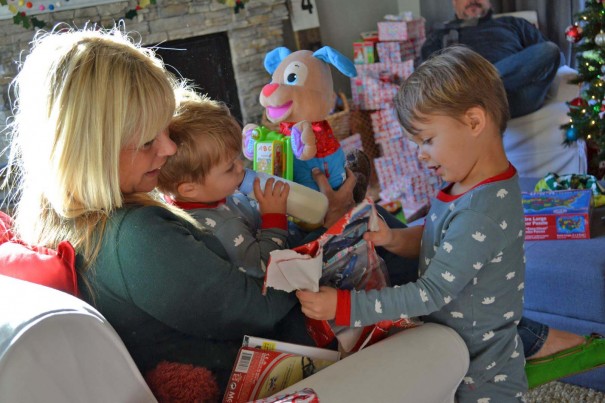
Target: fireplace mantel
column 252, row 32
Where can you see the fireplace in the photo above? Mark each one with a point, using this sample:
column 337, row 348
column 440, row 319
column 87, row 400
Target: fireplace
column 206, row 62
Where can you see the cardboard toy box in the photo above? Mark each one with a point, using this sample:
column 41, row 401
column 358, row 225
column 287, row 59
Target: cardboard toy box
column 363, row 52
column 561, row 214
column 264, row 367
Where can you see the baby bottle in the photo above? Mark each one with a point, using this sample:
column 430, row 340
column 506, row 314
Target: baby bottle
column 304, row 203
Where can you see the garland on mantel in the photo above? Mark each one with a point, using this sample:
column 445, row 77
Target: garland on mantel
column 19, row 7
column 141, row 4
column 21, row 18
column 236, row 4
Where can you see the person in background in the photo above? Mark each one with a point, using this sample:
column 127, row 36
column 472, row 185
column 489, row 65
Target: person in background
column 526, row 60
column 202, row 177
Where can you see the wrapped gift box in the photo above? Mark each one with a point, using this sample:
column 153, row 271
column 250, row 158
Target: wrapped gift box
column 400, row 175
column 401, row 30
column 395, row 52
column 377, row 84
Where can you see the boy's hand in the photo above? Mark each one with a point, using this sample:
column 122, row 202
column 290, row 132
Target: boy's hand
column 382, row 237
column 319, row 305
column 273, row 199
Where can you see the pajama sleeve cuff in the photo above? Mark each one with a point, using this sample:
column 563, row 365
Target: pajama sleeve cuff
column 343, row 308
column 274, row 220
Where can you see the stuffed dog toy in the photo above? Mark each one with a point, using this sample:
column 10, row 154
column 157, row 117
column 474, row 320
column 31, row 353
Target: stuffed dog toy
column 299, row 98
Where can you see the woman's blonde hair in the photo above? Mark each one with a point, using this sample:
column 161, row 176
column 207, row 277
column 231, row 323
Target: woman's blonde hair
column 205, row 133
column 449, row 83
column 81, row 95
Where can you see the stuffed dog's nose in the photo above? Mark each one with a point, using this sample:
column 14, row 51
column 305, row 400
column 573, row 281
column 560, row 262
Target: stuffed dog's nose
column 269, row 89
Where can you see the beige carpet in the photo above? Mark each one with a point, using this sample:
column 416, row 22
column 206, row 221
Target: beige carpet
column 559, row 392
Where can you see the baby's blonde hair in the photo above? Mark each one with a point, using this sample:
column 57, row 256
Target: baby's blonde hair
column 81, row 95
column 206, row 134
column 449, row 83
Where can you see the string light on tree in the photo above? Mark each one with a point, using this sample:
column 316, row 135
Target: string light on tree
column 587, row 110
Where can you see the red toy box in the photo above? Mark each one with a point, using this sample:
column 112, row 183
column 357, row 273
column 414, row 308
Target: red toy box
column 265, row 367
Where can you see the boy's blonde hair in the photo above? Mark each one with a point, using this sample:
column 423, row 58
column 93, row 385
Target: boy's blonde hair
column 81, row 95
column 206, row 134
column 449, row 83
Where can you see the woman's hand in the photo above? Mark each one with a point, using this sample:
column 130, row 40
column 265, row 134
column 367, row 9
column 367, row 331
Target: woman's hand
column 339, row 201
column 273, row 199
column 319, row 305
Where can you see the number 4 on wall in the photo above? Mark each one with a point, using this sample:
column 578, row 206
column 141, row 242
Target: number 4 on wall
column 307, row 5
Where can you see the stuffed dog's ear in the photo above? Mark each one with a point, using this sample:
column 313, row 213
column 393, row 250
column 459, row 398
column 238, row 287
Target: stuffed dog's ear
column 274, row 58
column 337, row 59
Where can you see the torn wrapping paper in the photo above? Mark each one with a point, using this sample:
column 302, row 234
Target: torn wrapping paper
column 341, row 259
column 293, row 271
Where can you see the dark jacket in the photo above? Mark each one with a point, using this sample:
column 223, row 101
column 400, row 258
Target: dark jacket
column 492, row 38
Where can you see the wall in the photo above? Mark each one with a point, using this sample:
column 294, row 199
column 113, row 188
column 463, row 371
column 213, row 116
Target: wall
column 341, row 22
column 252, row 33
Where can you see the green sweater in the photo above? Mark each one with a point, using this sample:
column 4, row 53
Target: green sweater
column 171, row 293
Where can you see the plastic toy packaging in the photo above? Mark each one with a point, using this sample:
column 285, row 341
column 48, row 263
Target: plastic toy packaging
column 306, row 395
column 341, row 259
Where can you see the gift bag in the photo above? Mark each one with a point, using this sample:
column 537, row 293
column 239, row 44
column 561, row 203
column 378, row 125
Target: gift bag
column 341, row 259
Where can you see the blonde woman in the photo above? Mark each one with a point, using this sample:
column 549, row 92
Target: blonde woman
column 89, row 140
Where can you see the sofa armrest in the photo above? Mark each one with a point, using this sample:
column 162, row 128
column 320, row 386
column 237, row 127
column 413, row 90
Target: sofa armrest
column 57, row 348
column 422, row 364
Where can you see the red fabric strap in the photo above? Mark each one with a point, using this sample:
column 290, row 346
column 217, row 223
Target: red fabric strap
column 343, row 308
column 274, row 220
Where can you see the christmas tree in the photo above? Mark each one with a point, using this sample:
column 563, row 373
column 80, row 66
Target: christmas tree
column 587, row 112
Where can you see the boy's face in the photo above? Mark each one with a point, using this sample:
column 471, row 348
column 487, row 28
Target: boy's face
column 445, row 145
column 468, row 9
column 222, row 181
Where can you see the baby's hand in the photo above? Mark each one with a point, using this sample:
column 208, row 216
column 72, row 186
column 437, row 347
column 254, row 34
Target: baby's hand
column 273, row 199
column 383, row 236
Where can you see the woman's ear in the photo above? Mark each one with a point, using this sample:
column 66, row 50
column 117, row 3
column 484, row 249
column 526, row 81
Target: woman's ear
column 476, row 118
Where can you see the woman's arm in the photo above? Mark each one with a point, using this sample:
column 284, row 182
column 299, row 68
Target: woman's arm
column 182, row 277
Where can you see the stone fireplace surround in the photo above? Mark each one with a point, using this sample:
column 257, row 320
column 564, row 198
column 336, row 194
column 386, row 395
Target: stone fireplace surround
column 252, row 32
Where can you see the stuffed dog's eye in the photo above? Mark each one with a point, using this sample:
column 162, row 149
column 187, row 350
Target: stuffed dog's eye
column 295, row 74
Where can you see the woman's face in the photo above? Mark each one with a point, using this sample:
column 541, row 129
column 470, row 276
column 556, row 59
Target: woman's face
column 140, row 167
